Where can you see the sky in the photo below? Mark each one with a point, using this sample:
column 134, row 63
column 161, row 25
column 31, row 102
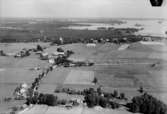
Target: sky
column 81, row 9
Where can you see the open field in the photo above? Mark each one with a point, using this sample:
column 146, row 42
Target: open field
column 79, row 77
column 76, row 110
column 124, row 70
column 128, row 68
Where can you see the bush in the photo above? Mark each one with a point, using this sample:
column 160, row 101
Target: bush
column 60, row 49
column 75, row 103
column 90, row 100
column 108, row 95
column 114, row 105
column 69, row 52
column 147, row 104
column 103, row 102
column 62, row 102
column 39, row 48
column 99, row 90
column 57, row 91
column 122, row 96
column 141, row 90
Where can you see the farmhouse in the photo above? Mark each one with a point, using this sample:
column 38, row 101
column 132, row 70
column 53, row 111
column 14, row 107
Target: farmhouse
column 91, row 45
column 44, row 56
column 51, row 61
column 147, row 39
column 21, row 91
column 58, row 53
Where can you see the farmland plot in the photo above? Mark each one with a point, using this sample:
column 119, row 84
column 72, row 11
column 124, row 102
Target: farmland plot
column 54, row 78
column 79, row 77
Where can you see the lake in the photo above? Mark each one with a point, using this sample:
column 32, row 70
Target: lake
column 147, row 27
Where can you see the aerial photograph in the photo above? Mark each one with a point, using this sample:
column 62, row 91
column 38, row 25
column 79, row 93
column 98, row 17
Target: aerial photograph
column 83, row 57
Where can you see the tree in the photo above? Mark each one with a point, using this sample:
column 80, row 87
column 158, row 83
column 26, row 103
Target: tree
column 114, row 105
column 141, row 89
column 95, row 80
column 47, row 99
column 99, row 90
column 60, row 49
column 147, row 104
column 103, row 102
column 122, row 95
column 115, row 94
column 90, row 100
column 39, row 48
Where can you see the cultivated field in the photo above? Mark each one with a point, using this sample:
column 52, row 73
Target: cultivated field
column 125, row 70
column 79, row 77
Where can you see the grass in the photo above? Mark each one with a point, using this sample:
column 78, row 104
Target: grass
column 79, row 77
column 76, row 110
column 124, row 77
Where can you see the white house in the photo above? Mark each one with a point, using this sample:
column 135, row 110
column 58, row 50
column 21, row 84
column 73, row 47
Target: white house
column 21, row 91
column 91, row 45
column 58, row 53
column 51, row 61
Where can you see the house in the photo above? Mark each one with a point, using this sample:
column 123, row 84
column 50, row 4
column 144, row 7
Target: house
column 147, row 39
column 21, row 91
column 91, row 45
column 51, row 61
column 58, row 53
column 44, row 56
column 23, row 53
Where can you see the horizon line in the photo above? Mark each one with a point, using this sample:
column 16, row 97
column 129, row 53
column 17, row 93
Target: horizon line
column 84, row 18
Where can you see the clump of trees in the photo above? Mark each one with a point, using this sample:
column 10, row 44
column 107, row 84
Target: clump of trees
column 69, row 91
column 147, row 104
column 50, row 100
column 99, row 91
column 69, row 52
column 47, row 99
column 97, row 98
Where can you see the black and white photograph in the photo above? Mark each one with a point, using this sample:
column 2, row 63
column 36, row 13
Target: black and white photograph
column 83, row 57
